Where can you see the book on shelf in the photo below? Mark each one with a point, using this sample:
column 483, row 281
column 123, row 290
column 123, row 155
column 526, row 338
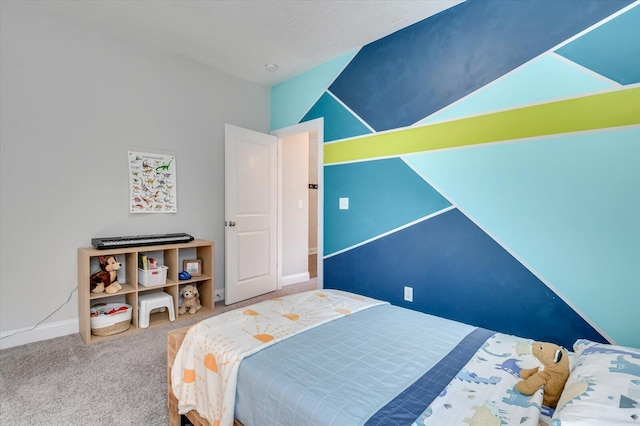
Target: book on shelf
column 142, row 262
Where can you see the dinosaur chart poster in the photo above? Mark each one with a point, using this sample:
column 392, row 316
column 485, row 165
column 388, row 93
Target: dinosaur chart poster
column 152, row 182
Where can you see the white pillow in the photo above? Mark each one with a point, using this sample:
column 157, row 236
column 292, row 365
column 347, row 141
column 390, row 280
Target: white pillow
column 603, row 387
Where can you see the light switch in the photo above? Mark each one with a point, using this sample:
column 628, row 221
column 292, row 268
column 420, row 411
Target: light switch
column 344, row 204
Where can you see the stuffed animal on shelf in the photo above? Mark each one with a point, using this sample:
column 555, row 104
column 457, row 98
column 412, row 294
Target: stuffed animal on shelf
column 190, row 300
column 553, row 375
column 106, row 279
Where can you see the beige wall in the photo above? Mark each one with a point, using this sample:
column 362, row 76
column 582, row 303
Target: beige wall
column 73, row 103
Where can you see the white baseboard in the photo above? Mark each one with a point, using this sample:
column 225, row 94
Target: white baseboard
column 23, row 336
column 295, row 278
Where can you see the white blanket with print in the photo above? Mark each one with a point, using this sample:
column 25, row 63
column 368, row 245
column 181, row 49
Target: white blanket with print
column 204, row 374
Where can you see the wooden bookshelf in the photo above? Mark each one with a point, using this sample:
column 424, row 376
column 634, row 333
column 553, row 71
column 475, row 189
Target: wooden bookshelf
column 170, row 255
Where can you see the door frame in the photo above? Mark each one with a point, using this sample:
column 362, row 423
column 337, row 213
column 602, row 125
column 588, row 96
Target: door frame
column 312, row 126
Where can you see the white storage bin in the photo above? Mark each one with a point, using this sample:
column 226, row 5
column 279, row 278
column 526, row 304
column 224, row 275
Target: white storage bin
column 105, row 324
column 153, row 277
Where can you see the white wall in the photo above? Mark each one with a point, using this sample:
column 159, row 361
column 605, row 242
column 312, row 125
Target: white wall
column 72, row 104
column 295, row 208
column 313, row 193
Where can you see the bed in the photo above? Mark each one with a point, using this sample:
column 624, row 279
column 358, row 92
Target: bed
column 327, row 357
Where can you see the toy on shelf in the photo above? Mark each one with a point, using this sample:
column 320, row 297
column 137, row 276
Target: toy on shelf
column 106, row 279
column 190, row 300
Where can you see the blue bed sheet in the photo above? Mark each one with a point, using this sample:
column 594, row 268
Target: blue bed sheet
column 343, row 372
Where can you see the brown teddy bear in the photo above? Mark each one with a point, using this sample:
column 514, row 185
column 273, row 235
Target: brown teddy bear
column 553, row 375
column 190, row 300
column 106, row 279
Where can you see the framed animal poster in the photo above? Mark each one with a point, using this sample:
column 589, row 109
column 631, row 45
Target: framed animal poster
column 152, row 182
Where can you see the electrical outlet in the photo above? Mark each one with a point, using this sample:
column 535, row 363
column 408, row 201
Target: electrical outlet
column 408, row 294
column 219, row 295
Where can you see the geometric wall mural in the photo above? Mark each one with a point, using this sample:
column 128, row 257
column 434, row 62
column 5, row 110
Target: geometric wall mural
column 382, row 195
column 609, row 109
column 489, row 159
column 433, row 63
column 292, row 99
column 608, row 50
column 546, row 78
column 563, row 209
column 343, row 123
column 458, row 272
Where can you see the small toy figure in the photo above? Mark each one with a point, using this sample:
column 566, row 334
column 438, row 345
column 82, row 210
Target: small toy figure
column 106, row 279
column 190, row 300
column 552, row 376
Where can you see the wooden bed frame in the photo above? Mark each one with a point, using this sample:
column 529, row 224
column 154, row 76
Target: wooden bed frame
column 174, row 340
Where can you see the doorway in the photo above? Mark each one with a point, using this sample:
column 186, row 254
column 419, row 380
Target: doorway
column 315, row 159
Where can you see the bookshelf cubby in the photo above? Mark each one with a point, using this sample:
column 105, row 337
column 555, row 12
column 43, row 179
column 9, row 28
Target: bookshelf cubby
column 170, row 255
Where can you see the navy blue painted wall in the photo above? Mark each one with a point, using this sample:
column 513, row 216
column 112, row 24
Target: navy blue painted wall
column 457, row 271
column 433, row 63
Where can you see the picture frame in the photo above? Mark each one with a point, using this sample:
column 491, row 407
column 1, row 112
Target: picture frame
column 152, row 183
column 193, row 267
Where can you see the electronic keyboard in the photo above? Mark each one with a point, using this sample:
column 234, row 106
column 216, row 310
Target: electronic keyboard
column 140, row 240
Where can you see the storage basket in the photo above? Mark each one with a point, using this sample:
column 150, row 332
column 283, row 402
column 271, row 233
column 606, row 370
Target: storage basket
column 153, row 277
column 104, row 323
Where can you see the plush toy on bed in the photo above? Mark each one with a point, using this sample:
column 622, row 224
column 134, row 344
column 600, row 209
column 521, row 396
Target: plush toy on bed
column 552, row 375
column 106, row 279
column 190, row 300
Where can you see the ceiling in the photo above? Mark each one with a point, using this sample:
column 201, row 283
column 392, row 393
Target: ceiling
column 241, row 36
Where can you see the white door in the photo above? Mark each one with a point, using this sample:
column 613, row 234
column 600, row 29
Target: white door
column 251, row 173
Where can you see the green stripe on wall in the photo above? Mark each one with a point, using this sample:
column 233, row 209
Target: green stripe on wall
column 611, row 109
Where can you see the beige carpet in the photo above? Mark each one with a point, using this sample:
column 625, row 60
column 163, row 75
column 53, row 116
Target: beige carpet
column 62, row 381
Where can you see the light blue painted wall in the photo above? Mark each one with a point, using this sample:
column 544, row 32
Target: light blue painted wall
column 292, row 99
column 569, row 197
